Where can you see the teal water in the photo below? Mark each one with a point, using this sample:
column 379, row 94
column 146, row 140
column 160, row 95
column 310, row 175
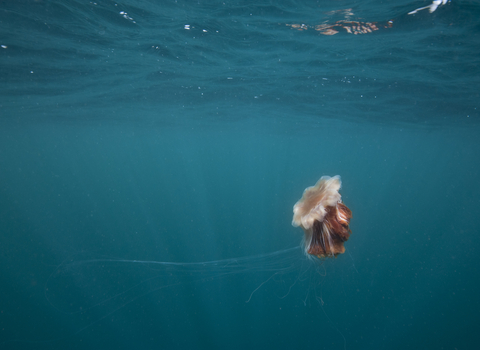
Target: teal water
column 151, row 153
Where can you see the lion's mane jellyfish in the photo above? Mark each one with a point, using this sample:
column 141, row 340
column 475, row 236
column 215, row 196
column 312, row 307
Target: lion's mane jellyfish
column 323, row 217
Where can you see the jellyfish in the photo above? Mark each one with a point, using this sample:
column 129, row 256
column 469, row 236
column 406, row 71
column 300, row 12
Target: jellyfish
column 91, row 288
column 323, row 218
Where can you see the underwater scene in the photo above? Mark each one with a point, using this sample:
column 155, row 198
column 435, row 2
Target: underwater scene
column 239, row 174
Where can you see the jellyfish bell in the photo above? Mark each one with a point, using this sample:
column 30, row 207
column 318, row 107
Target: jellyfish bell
column 323, row 218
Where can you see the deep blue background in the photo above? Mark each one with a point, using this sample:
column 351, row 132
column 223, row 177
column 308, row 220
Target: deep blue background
column 127, row 139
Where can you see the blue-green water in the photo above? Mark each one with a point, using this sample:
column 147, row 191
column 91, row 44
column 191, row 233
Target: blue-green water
column 141, row 133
